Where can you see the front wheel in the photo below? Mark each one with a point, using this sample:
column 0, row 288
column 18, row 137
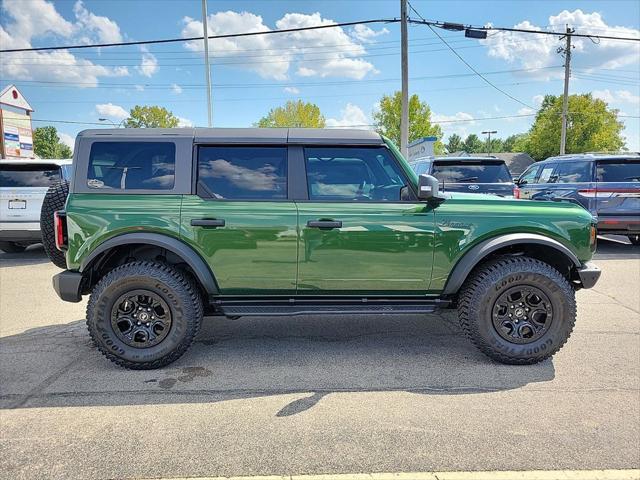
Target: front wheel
column 144, row 315
column 517, row 310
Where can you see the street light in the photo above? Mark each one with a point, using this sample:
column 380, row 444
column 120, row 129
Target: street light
column 489, row 132
column 111, row 122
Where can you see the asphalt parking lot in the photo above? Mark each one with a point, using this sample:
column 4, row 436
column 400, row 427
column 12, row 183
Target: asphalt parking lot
column 315, row 395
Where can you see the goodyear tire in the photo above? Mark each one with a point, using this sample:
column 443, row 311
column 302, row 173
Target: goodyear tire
column 517, row 310
column 54, row 200
column 144, row 315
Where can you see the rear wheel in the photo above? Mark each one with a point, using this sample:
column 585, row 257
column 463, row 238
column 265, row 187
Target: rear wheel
column 12, row 247
column 634, row 239
column 54, row 200
column 517, row 310
column 144, row 315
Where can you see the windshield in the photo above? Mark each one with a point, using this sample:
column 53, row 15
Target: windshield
column 471, row 172
column 28, row 175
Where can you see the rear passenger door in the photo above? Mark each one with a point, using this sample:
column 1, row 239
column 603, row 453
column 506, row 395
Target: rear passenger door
column 241, row 220
column 571, row 178
column 362, row 230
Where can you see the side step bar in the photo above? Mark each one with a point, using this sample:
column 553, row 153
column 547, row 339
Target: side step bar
column 292, row 307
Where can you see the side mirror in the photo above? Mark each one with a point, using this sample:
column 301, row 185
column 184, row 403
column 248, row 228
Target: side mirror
column 428, row 188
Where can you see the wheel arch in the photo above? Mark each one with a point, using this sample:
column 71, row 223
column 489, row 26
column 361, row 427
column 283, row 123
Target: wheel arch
column 544, row 248
column 197, row 266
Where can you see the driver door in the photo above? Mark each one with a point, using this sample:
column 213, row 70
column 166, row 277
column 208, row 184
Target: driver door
column 362, row 230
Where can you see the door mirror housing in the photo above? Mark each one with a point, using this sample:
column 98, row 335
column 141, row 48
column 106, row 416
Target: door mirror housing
column 429, row 188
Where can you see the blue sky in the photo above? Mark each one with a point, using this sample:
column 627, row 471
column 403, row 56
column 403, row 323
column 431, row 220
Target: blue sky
column 344, row 71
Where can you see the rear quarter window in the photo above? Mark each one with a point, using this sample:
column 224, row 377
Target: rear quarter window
column 132, row 166
column 25, row 176
column 618, row 171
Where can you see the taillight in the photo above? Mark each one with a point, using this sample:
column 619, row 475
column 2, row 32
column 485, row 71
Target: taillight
column 516, row 192
column 593, row 238
column 60, row 228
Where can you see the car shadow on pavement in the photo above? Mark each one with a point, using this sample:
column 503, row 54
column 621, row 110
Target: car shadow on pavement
column 307, row 357
column 33, row 255
column 616, row 247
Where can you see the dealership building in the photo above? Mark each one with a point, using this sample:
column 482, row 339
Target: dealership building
column 16, row 139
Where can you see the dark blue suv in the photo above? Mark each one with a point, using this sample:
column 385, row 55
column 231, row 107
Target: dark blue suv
column 481, row 174
column 608, row 185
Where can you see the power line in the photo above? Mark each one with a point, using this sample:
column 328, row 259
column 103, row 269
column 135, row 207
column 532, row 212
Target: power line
column 459, row 26
column 468, row 64
column 34, row 83
column 201, row 37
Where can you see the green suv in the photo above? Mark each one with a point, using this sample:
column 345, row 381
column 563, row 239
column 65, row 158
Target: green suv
column 164, row 226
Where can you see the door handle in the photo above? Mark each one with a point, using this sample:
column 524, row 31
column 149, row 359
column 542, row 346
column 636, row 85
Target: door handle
column 328, row 224
column 207, row 222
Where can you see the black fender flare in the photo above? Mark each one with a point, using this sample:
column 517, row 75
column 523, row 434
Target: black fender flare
column 480, row 251
column 189, row 255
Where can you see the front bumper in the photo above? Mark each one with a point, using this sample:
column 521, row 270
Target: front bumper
column 589, row 274
column 67, row 285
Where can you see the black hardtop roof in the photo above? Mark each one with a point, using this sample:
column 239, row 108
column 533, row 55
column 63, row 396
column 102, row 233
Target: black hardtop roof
column 593, row 156
column 315, row 136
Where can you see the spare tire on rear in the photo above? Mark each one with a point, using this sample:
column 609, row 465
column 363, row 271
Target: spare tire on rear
column 54, row 200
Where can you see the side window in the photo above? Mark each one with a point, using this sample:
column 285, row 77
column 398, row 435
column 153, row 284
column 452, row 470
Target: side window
column 618, row 171
column 546, row 176
column 242, row 173
column 132, row 165
column 529, row 176
column 420, row 167
column 354, row 173
column 574, row 172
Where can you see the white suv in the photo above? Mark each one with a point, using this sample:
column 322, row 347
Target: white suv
column 23, row 185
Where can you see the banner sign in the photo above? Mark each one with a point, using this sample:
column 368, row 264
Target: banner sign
column 17, row 136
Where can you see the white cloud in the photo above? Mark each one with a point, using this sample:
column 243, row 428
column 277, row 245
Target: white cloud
column 456, row 123
column 351, row 116
column 529, row 51
column 537, row 99
column 110, row 110
column 67, row 139
column 363, row 33
column 291, row 90
column 526, row 111
column 177, row 89
column 148, row 64
column 340, row 58
column 184, row 122
column 139, row 88
column 618, row 97
column 104, row 29
column 41, row 19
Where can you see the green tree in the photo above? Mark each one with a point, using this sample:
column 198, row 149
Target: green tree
column 472, row 144
column 150, row 117
column 591, row 126
column 387, row 119
column 455, row 143
column 512, row 141
column 293, row 114
column 47, row 144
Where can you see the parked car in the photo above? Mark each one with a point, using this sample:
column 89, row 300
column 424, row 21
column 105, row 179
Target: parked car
column 23, row 185
column 608, row 185
column 480, row 174
column 163, row 225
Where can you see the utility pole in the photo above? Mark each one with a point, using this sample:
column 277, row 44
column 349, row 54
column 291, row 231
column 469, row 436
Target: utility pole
column 206, row 61
column 565, row 99
column 404, row 60
column 489, row 132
